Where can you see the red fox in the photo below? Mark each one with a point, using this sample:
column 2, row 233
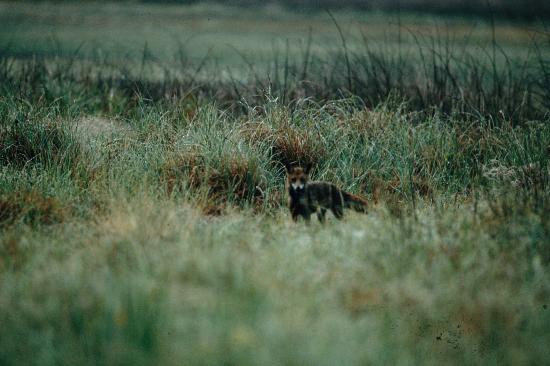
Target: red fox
column 307, row 197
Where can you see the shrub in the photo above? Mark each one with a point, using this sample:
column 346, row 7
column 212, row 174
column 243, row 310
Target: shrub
column 24, row 142
column 31, row 207
column 227, row 179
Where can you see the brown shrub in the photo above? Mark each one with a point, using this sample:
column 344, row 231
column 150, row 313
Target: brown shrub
column 289, row 146
column 297, row 148
column 235, row 179
column 213, row 209
column 394, row 191
column 238, row 178
column 189, row 168
column 12, row 253
column 398, row 187
column 254, row 132
column 10, row 210
column 31, row 207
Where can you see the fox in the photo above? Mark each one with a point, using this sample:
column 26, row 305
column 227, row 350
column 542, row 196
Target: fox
column 307, row 197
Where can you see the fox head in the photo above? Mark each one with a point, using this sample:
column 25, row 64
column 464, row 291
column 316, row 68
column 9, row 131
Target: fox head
column 297, row 178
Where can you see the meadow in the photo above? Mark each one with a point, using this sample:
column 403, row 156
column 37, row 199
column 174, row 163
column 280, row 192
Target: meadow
column 143, row 214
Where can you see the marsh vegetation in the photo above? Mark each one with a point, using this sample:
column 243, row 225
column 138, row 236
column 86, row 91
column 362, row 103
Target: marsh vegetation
column 142, row 202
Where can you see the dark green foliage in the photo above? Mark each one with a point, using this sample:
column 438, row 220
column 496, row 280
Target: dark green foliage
column 26, row 140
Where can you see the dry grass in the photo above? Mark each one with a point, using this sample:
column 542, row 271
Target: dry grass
column 289, row 146
column 229, row 179
column 31, row 207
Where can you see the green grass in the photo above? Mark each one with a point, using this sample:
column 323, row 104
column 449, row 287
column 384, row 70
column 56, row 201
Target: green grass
column 157, row 282
column 143, row 220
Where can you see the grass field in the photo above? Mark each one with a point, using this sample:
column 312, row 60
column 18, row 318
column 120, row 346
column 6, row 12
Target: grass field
column 143, row 214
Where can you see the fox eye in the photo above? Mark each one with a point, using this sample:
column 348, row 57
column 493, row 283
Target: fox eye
column 293, row 180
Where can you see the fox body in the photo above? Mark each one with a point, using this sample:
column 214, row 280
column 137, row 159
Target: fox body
column 307, row 197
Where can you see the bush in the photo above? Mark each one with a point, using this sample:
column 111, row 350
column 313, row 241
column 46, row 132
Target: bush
column 26, row 141
column 31, row 207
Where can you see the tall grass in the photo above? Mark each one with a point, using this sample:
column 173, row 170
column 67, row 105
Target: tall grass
column 427, row 71
column 143, row 220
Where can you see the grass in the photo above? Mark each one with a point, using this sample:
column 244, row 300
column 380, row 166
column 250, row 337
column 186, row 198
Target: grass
column 143, row 219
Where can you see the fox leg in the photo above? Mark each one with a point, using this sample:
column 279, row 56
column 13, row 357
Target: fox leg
column 294, row 213
column 297, row 211
column 338, row 211
column 306, row 214
column 321, row 214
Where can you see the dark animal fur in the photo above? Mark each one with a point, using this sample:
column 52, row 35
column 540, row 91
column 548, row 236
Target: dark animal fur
column 308, row 197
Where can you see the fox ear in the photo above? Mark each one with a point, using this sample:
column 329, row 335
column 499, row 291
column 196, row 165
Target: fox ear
column 307, row 168
column 288, row 167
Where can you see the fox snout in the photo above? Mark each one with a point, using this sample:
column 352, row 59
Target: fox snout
column 297, row 186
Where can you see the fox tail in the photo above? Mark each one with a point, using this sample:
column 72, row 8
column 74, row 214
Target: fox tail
column 357, row 203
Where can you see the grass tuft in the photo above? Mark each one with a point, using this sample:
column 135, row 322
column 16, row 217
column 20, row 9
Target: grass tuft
column 29, row 141
column 32, row 208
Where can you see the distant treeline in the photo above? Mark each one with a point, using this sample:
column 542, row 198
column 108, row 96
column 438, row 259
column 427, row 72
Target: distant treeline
column 513, row 9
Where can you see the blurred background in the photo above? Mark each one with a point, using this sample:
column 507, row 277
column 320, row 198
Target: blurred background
column 429, row 52
column 223, row 29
